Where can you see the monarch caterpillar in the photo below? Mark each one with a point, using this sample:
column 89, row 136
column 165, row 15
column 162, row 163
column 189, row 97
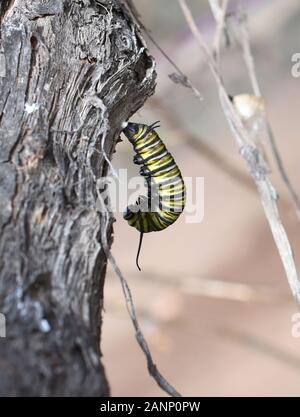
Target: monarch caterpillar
column 165, row 198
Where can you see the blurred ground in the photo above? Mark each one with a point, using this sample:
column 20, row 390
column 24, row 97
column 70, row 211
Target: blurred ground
column 210, row 338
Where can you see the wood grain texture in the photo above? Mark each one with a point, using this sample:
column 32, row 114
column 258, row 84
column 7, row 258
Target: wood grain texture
column 70, row 73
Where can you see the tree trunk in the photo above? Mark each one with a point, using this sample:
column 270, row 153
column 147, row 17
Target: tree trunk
column 70, row 72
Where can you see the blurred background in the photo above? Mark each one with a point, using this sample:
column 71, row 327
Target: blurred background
column 212, row 297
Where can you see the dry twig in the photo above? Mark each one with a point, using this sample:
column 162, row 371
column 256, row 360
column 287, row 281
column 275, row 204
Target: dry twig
column 244, row 41
column 254, row 159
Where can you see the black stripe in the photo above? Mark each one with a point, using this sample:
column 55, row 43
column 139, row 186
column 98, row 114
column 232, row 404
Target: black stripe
column 155, row 155
column 162, row 169
column 172, row 197
column 170, row 181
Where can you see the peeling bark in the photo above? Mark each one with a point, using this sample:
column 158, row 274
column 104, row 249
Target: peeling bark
column 70, row 73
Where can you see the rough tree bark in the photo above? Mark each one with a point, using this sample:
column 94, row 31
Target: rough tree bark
column 70, row 72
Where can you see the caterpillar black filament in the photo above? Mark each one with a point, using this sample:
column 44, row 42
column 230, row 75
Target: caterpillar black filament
column 165, row 199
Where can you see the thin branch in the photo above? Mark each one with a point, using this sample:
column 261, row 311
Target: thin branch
column 255, row 161
column 249, row 61
column 152, row 368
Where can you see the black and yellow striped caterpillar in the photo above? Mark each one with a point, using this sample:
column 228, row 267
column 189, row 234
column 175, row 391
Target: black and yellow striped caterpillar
column 165, row 199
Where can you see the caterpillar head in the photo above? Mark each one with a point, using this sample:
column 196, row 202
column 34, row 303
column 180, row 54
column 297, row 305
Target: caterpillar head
column 134, row 131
